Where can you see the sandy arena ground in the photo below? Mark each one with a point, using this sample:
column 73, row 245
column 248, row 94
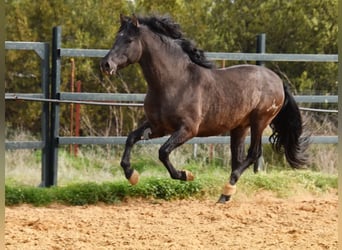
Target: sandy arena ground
column 261, row 222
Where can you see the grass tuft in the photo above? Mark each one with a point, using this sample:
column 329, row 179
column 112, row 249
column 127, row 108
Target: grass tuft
column 281, row 183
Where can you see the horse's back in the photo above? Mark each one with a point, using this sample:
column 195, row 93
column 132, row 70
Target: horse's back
column 250, row 81
column 245, row 73
column 237, row 92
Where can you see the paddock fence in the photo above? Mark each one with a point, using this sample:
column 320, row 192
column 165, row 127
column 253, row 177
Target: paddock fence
column 51, row 98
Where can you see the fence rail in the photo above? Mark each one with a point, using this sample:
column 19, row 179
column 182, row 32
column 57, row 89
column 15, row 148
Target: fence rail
column 52, row 99
column 119, row 97
column 69, row 52
column 120, row 140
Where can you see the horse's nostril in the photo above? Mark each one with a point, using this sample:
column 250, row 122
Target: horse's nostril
column 106, row 66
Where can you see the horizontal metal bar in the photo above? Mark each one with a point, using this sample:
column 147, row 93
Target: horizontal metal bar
column 77, row 102
column 83, row 52
column 101, row 140
column 140, row 97
column 111, row 99
column 222, row 56
column 23, row 45
column 319, row 110
column 102, row 97
column 38, row 47
column 11, row 96
column 324, row 139
column 71, row 52
column 316, row 98
column 13, row 145
column 23, row 145
column 272, row 57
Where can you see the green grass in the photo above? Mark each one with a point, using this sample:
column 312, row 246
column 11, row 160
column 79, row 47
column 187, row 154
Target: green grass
column 289, row 182
column 96, row 176
column 281, row 183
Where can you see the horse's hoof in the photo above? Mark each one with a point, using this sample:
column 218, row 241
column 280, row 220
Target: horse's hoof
column 189, row 176
column 223, row 199
column 134, row 179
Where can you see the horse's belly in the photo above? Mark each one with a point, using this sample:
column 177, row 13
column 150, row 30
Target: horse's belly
column 218, row 123
column 211, row 129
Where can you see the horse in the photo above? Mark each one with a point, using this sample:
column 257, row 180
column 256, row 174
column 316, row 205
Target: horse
column 187, row 96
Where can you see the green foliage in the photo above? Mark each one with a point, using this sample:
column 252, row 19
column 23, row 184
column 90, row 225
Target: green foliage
column 166, row 188
column 14, row 195
column 289, row 182
column 275, row 182
column 18, row 194
column 316, row 181
column 281, row 183
column 291, row 27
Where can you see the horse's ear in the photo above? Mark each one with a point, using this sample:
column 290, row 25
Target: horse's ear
column 135, row 20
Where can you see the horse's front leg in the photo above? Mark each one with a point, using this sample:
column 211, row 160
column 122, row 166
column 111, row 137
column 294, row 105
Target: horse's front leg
column 135, row 136
column 176, row 139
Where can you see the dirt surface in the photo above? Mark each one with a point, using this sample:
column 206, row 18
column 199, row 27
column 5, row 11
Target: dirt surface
column 261, row 222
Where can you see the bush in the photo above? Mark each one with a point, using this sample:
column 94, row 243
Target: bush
column 281, row 183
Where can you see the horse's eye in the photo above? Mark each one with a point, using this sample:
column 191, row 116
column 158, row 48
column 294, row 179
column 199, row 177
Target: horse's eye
column 129, row 40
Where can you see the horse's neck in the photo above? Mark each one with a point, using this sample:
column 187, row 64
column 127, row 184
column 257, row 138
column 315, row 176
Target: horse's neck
column 162, row 64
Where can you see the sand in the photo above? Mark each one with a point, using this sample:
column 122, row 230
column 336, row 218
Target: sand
column 259, row 222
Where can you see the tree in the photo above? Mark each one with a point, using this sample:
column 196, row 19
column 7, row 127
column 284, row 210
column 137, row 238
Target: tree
column 291, row 27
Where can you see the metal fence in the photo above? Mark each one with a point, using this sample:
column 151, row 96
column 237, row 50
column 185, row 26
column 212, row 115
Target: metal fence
column 51, row 140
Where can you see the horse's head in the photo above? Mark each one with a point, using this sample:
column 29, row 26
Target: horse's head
column 127, row 48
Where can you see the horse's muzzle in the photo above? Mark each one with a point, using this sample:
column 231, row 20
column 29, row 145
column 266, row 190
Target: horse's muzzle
column 108, row 68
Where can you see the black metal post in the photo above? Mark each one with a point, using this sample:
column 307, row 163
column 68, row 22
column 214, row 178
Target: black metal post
column 261, row 47
column 45, row 120
column 51, row 174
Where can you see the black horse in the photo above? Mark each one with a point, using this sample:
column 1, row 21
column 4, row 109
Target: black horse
column 187, row 97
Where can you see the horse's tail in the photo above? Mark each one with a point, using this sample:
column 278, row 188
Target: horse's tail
column 287, row 132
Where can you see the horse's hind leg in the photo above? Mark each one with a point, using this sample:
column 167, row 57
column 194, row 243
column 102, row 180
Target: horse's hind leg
column 136, row 135
column 258, row 164
column 237, row 147
column 254, row 152
column 175, row 140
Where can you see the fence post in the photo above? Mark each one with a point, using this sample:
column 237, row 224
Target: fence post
column 261, row 47
column 45, row 77
column 51, row 174
column 77, row 117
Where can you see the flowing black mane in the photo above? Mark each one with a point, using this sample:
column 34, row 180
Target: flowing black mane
column 164, row 25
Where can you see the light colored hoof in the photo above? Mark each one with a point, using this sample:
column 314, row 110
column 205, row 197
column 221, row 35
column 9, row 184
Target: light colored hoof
column 229, row 190
column 134, row 179
column 189, row 176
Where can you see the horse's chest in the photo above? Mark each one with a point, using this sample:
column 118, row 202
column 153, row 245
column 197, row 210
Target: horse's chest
column 168, row 115
column 155, row 110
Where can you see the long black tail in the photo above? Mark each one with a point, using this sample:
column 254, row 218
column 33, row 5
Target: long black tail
column 287, row 133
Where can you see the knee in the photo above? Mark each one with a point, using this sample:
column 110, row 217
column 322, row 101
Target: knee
column 162, row 154
column 130, row 140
